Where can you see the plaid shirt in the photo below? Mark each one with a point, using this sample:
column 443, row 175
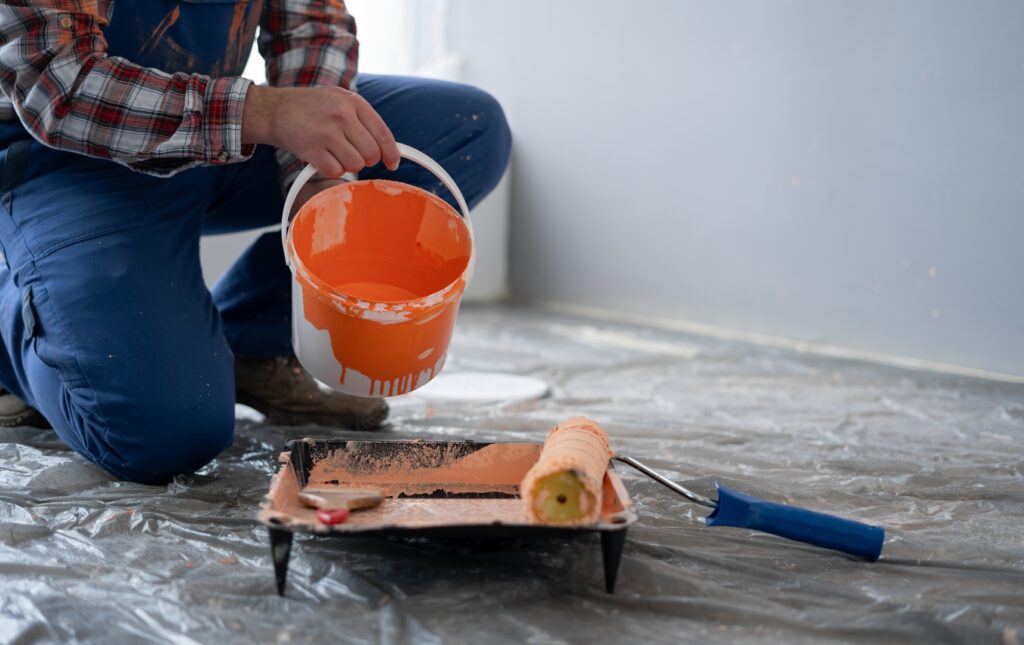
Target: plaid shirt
column 56, row 77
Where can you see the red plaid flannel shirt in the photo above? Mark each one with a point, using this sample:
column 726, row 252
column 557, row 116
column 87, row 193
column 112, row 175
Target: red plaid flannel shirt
column 56, row 76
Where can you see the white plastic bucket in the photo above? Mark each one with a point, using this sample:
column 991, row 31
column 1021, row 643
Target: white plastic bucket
column 378, row 271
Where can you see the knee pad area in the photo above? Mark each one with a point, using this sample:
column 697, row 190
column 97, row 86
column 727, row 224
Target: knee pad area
column 171, row 442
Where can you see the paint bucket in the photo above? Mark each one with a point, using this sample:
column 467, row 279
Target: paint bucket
column 378, row 270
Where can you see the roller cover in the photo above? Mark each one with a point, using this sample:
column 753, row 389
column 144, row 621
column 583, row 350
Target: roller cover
column 564, row 486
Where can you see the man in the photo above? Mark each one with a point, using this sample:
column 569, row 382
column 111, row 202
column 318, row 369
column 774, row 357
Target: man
column 126, row 133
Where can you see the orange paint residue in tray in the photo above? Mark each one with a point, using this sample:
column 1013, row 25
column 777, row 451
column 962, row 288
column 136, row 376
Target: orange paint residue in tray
column 424, row 469
column 427, row 485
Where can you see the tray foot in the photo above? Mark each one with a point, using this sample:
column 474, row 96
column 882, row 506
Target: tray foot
column 612, row 543
column 280, row 551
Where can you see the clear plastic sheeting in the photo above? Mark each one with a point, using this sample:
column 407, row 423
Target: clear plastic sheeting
column 935, row 459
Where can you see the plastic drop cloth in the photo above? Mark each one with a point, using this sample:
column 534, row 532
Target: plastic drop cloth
column 936, row 459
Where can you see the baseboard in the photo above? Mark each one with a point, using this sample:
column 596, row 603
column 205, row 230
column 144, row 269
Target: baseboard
column 802, row 346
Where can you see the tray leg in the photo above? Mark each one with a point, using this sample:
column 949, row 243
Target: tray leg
column 612, row 543
column 280, row 551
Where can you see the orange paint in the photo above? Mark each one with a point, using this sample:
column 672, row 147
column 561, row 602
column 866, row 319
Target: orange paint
column 168, row 21
column 381, row 266
column 241, row 32
column 497, row 468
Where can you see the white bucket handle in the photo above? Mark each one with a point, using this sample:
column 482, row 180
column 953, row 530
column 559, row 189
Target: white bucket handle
column 407, row 152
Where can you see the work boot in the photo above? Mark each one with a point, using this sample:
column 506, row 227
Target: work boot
column 288, row 395
column 14, row 413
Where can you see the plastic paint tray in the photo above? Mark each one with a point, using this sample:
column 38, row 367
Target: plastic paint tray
column 455, row 489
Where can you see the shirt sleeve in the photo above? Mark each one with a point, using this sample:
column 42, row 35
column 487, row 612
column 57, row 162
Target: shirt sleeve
column 69, row 94
column 307, row 43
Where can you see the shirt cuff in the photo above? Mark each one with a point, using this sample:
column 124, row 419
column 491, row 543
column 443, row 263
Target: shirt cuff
column 224, row 101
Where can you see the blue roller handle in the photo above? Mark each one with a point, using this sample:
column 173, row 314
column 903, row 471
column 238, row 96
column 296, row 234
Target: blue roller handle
column 827, row 531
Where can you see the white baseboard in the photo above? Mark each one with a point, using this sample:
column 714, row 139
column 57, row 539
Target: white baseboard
column 803, row 346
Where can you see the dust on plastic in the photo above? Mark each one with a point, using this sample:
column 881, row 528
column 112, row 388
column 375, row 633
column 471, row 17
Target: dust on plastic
column 936, row 459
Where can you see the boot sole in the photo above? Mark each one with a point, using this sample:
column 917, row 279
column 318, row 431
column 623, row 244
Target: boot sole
column 30, row 419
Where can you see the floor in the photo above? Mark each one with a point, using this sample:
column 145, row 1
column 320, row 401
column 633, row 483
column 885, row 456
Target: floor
column 935, row 459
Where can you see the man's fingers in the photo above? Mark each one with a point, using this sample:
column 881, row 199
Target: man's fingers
column 326, row 164
column 365, row 144
column 381, row 133
column 338, row 130
column 346, row 153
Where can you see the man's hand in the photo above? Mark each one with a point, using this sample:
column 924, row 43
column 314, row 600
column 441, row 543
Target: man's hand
column 335, row 130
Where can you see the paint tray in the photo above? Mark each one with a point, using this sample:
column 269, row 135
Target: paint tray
column 457, row 489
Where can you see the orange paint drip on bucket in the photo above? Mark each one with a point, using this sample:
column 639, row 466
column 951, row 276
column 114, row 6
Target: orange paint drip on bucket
column 379, row 270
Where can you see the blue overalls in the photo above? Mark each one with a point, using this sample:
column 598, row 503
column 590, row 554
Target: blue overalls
column 108, row 328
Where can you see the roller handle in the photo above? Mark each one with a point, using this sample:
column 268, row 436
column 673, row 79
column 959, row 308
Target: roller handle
column 800, row 524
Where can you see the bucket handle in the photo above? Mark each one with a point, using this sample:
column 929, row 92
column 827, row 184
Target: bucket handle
column 407, row 152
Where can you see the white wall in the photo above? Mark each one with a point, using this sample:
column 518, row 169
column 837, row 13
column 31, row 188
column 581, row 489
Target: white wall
column 846, row 172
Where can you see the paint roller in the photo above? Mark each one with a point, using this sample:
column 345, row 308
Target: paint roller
column 564, row 487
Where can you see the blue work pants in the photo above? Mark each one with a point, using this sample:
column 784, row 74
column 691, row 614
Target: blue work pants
column 107, row 326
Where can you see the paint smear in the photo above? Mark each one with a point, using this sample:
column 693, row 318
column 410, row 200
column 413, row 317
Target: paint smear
column 242, row 30
column 160, row 30
column 382, row 268
column 426, row 468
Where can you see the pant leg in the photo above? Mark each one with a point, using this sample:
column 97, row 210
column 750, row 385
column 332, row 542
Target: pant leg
column 461, row 127
column 107, row 326
column 254, row 295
